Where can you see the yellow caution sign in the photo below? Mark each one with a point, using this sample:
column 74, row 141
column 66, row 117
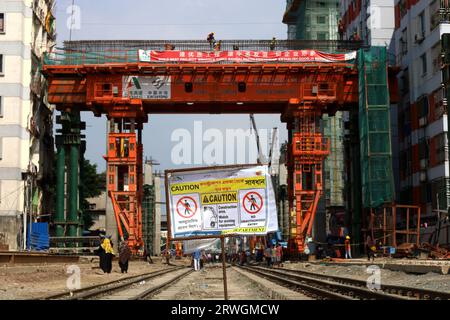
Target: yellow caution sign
column 219, row 198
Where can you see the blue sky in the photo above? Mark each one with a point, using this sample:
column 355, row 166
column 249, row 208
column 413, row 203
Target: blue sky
column 175, row 20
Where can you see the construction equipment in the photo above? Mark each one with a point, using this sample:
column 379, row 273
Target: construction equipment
column 261, row 158
column 113, row 82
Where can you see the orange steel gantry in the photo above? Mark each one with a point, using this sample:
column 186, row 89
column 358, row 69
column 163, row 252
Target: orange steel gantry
column 301, row 93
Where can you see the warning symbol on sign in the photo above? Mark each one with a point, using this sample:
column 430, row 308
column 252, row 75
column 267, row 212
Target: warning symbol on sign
column 252, row 202
column 186, row 207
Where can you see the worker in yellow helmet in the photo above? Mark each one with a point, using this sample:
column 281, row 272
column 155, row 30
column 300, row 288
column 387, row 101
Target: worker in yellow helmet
column 348, row 248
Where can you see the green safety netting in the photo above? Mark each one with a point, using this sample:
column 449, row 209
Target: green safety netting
column 374, row 128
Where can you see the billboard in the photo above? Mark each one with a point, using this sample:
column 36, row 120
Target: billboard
column 219, row 201
column 294, row 56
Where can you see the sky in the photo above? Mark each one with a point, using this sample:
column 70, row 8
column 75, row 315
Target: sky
column 172, row 20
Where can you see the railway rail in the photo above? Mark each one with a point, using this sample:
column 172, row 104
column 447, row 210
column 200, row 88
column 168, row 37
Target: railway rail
column 320, row 286
column 130, row 288
column 410, row 292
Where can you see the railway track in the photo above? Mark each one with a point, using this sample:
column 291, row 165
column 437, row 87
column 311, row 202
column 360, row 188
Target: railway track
column 404, row 291
column 131, row 288
column 319, row 286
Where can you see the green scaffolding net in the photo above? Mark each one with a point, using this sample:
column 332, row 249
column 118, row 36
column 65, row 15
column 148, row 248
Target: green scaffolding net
column 374, row 128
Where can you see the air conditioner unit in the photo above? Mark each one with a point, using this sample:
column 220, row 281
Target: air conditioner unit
column 423, row 122
column 423, row 176
column 423, row 164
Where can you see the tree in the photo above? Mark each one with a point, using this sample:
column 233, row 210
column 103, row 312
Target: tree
column 92, row 185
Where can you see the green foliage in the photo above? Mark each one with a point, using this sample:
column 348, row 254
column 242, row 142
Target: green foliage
column 92, row 184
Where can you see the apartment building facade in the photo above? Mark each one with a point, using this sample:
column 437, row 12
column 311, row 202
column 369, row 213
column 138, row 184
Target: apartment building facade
column 372, row 20
column 26, row 143
column 422, row 114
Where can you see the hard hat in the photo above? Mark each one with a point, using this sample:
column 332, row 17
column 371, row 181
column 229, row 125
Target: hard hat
column 347, row 237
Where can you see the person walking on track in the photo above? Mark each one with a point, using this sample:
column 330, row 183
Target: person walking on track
column 197, row 257
column 268, row 255
column 124, row 256
column 370, row 248
column 106, row 253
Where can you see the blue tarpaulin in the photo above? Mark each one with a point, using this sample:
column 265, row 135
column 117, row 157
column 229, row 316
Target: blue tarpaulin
column 38, row 238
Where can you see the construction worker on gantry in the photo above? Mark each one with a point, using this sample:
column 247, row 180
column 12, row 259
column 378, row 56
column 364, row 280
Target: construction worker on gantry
column 273, row 44
column 211, row 40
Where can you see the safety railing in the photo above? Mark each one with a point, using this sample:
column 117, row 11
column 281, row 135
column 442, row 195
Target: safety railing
column 100, row 52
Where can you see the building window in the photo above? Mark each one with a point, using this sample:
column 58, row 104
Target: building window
column 423, row 59
column 421, row 26
column 404, row 42
column 1, row 148
column 322, row 35
column 321, row 19
column 441, row 148
column 1, row 107
column 2, row 23
column 1, row 65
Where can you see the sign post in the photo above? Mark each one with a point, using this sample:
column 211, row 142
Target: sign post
column 219, row 202
column 224, row 267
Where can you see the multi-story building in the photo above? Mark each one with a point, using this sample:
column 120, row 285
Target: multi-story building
column 26, row 143
column 372, row 20
column 422, row 113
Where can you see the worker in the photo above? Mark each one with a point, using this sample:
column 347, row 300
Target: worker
column 106, row 253
column 242, row 258
column 355, row 36
column 197, row 256
column 274, row 256
column 268, row 256
column 124, row 256
column 147, row 256
column 169, row 47
column 279, row 254
column 348, row 248
column 341, row 30
column 218, row 45
column 370, row 248
column 211, row 40
column 273, row 44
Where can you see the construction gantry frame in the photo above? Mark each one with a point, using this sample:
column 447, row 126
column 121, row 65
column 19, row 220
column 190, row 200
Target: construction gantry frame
column 301, row 93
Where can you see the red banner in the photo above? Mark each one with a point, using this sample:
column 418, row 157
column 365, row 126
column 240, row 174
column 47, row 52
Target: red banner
column 243, row 56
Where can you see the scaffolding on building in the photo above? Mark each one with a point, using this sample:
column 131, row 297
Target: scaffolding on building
column 374, row 128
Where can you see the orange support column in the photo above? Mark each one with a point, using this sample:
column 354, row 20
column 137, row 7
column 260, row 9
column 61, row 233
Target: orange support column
column 308, row 150
column 124, row 163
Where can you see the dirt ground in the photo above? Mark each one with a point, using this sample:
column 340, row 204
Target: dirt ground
column 37, row 281
column 429, row 281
